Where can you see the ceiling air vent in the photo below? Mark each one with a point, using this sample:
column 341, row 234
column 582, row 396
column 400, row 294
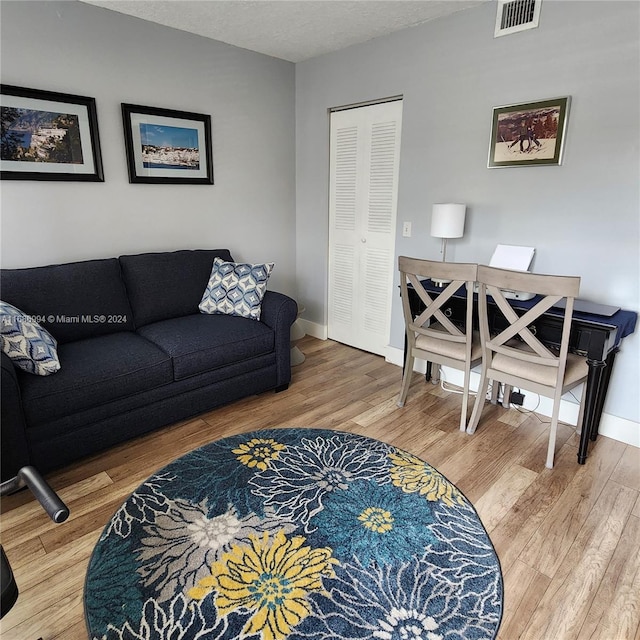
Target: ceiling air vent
column 516, row 15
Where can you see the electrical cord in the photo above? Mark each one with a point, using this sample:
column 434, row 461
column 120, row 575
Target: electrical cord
column 449, row 388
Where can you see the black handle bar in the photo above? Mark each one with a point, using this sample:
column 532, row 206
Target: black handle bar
column 46, row 496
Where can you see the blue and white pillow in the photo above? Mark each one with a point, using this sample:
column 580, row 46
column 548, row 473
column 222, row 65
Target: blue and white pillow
column 31, row 347
column 236, row 289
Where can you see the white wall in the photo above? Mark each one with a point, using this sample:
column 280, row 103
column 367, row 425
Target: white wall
column 80, row 49
column 582, row 217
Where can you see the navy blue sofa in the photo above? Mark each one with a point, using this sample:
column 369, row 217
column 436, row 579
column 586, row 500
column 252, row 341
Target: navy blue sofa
column 135, row 354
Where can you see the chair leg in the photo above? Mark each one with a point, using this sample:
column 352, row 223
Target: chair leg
column 506, row 397
column 581, row 410
column 553, row 430
column 465, row 401
column 406, row 378
column 495, row 389
column 479, row 403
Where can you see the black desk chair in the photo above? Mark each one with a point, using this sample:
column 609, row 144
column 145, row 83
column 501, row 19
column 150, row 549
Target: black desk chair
column 51, row 503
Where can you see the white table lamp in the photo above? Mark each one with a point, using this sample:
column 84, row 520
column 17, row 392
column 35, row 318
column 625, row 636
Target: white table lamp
column 447, row 221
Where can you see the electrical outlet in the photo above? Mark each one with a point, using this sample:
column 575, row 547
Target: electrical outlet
column 406, row 229
column 516, row 398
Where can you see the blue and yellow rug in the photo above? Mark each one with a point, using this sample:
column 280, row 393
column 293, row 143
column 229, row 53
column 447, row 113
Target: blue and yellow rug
column 297, row 534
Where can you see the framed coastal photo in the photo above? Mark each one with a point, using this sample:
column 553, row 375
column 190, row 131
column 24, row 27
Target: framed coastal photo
column 166, row 146
column 48, row 136
column 529, row 134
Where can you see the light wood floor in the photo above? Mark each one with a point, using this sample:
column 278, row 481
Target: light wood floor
column 568, row 539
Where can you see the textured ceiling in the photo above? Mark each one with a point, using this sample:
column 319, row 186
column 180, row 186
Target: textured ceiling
column 293, row 30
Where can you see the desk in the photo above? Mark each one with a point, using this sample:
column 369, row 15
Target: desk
column 596, row 337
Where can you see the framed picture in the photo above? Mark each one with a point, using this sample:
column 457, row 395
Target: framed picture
column 528, row 134
column 48, row 136
column 166, row 146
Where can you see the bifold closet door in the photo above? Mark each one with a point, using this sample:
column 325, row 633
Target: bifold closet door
column 364, row 167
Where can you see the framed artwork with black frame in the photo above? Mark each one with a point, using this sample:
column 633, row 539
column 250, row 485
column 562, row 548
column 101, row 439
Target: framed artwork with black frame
column 47, row 135
column 529, row 134
column 165, row 146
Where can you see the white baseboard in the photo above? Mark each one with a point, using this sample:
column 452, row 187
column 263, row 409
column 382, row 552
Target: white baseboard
column 611, row 426
column 313, row 329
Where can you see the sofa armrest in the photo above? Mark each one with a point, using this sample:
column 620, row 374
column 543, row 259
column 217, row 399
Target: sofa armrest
column 13, row 443
column 279, row 312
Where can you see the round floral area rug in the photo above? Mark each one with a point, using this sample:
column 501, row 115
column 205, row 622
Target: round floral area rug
column 297, row 534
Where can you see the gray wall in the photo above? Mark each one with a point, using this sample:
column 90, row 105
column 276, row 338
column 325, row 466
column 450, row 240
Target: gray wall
column 582, row 217
column 85, row 50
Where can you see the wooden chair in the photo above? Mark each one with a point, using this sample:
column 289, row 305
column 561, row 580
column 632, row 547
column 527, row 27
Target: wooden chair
column 432, row 336
column 515, row 356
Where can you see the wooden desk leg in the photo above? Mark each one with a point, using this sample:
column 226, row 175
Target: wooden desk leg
column 602, row 393
column 591, row 417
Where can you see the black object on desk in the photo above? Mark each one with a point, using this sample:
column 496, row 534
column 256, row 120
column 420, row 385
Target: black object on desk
column 597, row 337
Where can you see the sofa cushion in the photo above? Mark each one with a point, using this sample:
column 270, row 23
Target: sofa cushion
column 94, row 372
column 236, row 289
column 200, row 343
column 30, row 347
column 72, row 301
column 167, row 285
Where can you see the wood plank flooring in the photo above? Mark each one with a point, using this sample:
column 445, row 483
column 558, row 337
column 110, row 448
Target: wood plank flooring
column 568, row 539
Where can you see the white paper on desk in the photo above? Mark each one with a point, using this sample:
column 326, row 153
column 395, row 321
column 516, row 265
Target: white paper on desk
column 507, row 256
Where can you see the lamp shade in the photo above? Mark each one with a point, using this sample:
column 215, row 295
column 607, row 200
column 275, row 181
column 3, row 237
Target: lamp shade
column 447, row 220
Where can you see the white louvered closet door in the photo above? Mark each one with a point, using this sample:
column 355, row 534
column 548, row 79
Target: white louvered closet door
column 364, row 163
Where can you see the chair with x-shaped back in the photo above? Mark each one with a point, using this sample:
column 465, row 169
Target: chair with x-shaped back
column 514, row 355
column 431, row 336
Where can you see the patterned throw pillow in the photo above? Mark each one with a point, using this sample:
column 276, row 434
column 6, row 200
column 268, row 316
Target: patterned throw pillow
column 236, row 289
column 30, row 347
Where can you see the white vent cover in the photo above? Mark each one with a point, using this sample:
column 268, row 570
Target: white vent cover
column 516, row 15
